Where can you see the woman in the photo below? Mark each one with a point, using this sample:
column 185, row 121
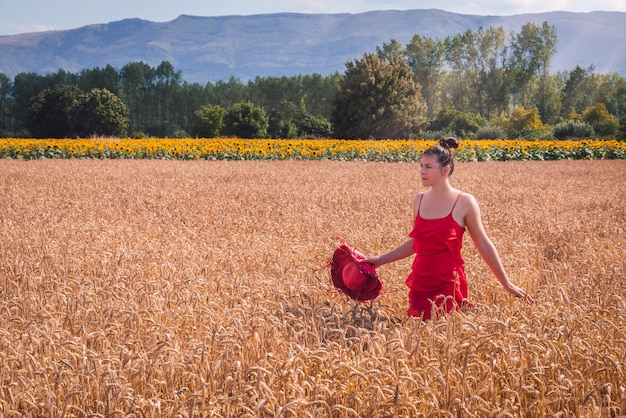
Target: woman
column 441, row 214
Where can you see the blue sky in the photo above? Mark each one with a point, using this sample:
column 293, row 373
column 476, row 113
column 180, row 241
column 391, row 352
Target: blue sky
column 22, row 16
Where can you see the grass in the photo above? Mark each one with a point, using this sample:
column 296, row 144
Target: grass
column 199, row 288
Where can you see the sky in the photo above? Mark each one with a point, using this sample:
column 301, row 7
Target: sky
column 23, row 16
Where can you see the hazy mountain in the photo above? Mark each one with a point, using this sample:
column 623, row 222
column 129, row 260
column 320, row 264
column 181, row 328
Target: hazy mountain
column 215, row 48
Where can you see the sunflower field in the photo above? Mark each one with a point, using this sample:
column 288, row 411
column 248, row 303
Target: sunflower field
column 306, row 149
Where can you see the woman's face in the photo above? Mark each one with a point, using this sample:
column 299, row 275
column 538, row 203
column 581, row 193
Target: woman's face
column 431, row 171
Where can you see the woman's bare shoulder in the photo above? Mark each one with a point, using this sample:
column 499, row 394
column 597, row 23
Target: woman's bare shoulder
column 417, row 196
column 467, row 198
column 415, row 202
column 467, row 204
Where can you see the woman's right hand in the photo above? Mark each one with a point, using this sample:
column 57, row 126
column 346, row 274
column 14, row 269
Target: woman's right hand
column 371, row 260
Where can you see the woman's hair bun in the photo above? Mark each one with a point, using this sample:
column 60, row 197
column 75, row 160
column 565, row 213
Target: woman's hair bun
column 449, row 142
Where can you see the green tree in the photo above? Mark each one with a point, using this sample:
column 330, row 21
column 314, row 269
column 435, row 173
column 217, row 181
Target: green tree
column 477, row 82
column 281, row 97
column 5, row 104
column 209, row 121
column 167, row 83
column 577, row 91
column 531, row 52
column 548, row 98
column 227, row 93
column 137, row 81
column 287, row 100
column 25, row 87
column 378, row 99
column 425, row 56
column 99, row 113
column 281, row 119
column 319, row 92
column 100, row 78
column 246, row 120
column 490, row 91
column 61, row 78
column 49, row 115
column 187, row 101
column 456, row 54
column 271, row 93
column 391, row 52
column 610, row 89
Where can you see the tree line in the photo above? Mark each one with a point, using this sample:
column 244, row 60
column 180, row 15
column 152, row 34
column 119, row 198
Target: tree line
column 483, row 83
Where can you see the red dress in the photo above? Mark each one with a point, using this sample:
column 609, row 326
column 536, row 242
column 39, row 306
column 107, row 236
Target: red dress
column 437, row 283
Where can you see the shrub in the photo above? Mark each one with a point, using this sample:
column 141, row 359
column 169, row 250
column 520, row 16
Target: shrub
column 314, row 127
column 532, row 134
column 209, row 121
column 459, row 123
column 430, row 135
column 50, row 112
column 99, row 113
column 246, row 120
column 164, row 129
column 490, row 132
column 603, row 123
column 65, row 111
column 573, row 129
column 138, row 135
column 522, row 121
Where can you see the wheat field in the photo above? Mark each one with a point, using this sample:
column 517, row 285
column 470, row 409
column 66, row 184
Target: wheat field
column 200, row 289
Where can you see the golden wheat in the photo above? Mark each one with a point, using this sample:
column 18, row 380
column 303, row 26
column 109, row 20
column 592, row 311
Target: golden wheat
column 170, row 288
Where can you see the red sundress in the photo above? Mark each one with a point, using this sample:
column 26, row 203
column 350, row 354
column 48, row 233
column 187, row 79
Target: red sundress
column 437, row 283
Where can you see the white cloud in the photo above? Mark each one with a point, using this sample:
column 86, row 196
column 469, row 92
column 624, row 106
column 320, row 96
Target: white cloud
column 12, row 27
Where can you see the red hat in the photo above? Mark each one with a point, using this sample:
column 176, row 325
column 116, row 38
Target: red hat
column 350, row 276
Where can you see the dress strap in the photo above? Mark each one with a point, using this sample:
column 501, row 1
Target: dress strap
column 457, row 199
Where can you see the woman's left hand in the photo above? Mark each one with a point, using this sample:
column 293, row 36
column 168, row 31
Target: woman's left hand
column 521, row 293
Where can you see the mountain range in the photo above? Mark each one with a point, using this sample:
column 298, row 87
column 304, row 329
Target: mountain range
column 284, row 44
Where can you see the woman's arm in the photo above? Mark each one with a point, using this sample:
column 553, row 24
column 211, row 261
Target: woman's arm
column 398, row 253
column 487, row 250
